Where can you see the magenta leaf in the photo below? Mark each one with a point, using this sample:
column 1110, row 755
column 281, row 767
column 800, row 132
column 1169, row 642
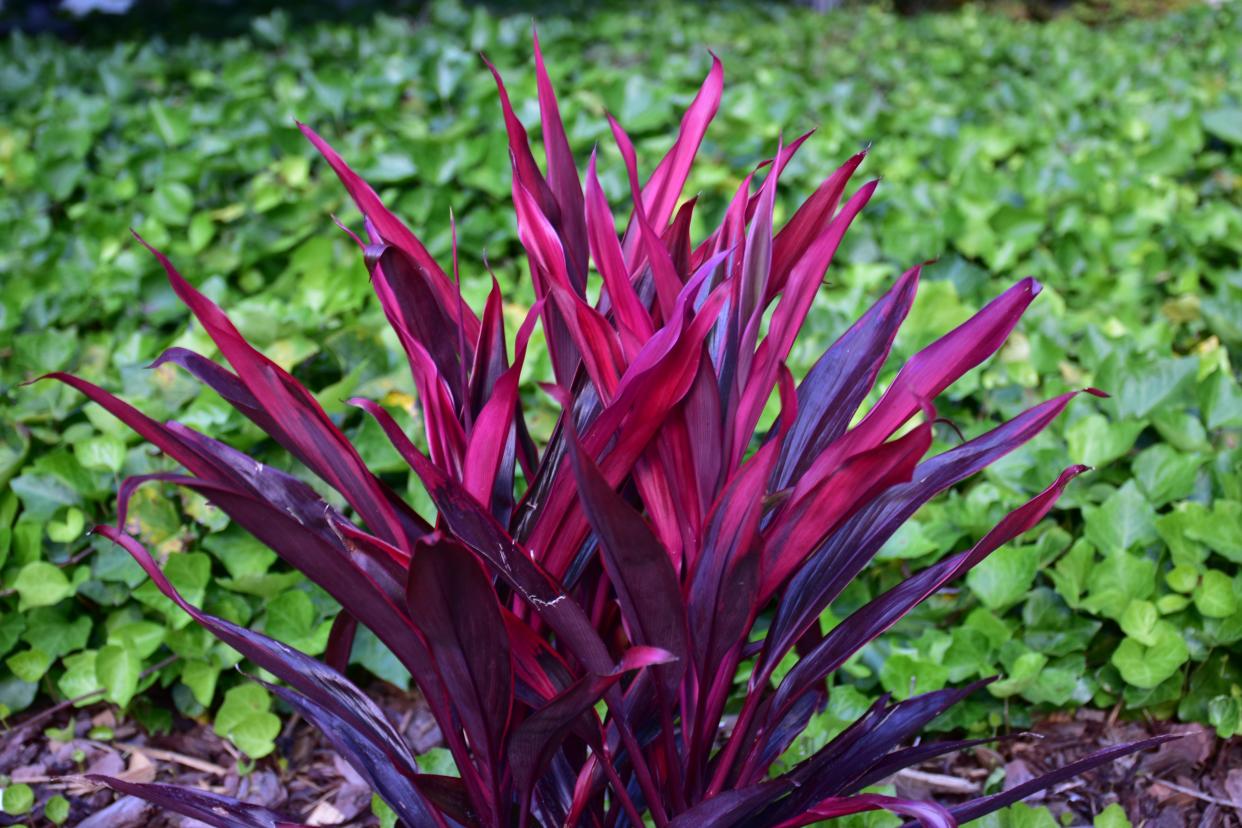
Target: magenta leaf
column 638, row 566
column 452, row 602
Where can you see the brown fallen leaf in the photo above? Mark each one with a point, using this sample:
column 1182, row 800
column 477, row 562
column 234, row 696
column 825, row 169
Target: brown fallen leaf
column 140, row 769
column 1233, row 786
column 325, row 813
column 351, row 801
column 106, row 763
column 26, row 773
column 1194, row 748
column 1018, row 771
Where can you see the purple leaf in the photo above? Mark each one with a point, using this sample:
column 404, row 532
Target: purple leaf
column 340, row 641
column 638, row 566
column 477, row 529
column 355, row 717
column 634, row 324
column 213, row 809
column 562, row 176
column 402, row 791
column 867, row 623
column 539, row 736
column 840, row 380
column 937, row 366
column 807, row 223
column 452, row 602
column 985, row 805
column 413, row 307
column 526, row 172
column 296, row 417
column 488, row 471
column 817, row 506
column 666, row 183
column 839, row 558
column 731, row 807
column 390, row 228
column 788, row 317
column 928, row 814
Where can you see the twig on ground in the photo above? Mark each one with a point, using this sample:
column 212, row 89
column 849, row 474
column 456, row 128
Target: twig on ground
column 176, row 758
column 938, row 781
column 1200, row 795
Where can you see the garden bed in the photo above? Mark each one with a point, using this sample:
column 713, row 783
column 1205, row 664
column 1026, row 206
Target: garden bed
column 1193, row 781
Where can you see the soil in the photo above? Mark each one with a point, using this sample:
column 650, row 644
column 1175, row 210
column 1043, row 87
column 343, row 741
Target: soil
column 1192, row 781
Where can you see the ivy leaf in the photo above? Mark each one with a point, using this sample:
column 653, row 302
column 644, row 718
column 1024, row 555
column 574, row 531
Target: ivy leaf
column 1146, row 387
column 1060, row 683
column 1225, row 714
column 1022, row 815
column 29, row 665
column 1070, row 573
column 1220, row 528
column 1022, row 675
column 201, row 678
column 1140, row 621
column 1003, row 578
column 1148, row 666
column 1222, row 401
column 1182, row 578
column 1095, row 441
column 1215, row 596
column 386, row 816
column 241, row 554
column 41, row 584
column 79, row 677
column 1114, row 816
column 245, row 719
column 56, row 810
column 1181, row 429
column 143, row 637
column 117, row 667
column 1122, row 522
column 11, row 627
column 1165, row 474
column 18, row 799
column 290, row 617
column 904, row 675
column 1224, row 123
column 50, row 630
column 69, row 528
column 1174, row 529
column 1118, row 580
column 102, row 453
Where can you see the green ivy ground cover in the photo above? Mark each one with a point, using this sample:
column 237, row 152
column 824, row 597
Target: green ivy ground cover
column 1106, row 162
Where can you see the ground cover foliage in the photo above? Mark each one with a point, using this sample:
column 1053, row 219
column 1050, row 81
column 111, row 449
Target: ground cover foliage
column 577, row 612
column 1102, row 161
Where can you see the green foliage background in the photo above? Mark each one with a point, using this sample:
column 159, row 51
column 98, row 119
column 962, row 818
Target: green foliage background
column 1104, row 161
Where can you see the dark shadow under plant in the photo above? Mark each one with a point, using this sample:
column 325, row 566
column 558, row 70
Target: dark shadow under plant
column 659, row 539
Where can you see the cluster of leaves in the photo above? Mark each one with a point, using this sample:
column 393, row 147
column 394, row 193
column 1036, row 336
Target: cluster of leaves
column 584, row 616
column 1102, row 161
column 1088, row 11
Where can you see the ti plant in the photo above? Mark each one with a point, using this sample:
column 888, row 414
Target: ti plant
column 578, row 613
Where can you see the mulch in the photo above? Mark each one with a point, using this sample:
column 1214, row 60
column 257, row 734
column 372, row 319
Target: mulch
column 1192, row 781
column 304, row 777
